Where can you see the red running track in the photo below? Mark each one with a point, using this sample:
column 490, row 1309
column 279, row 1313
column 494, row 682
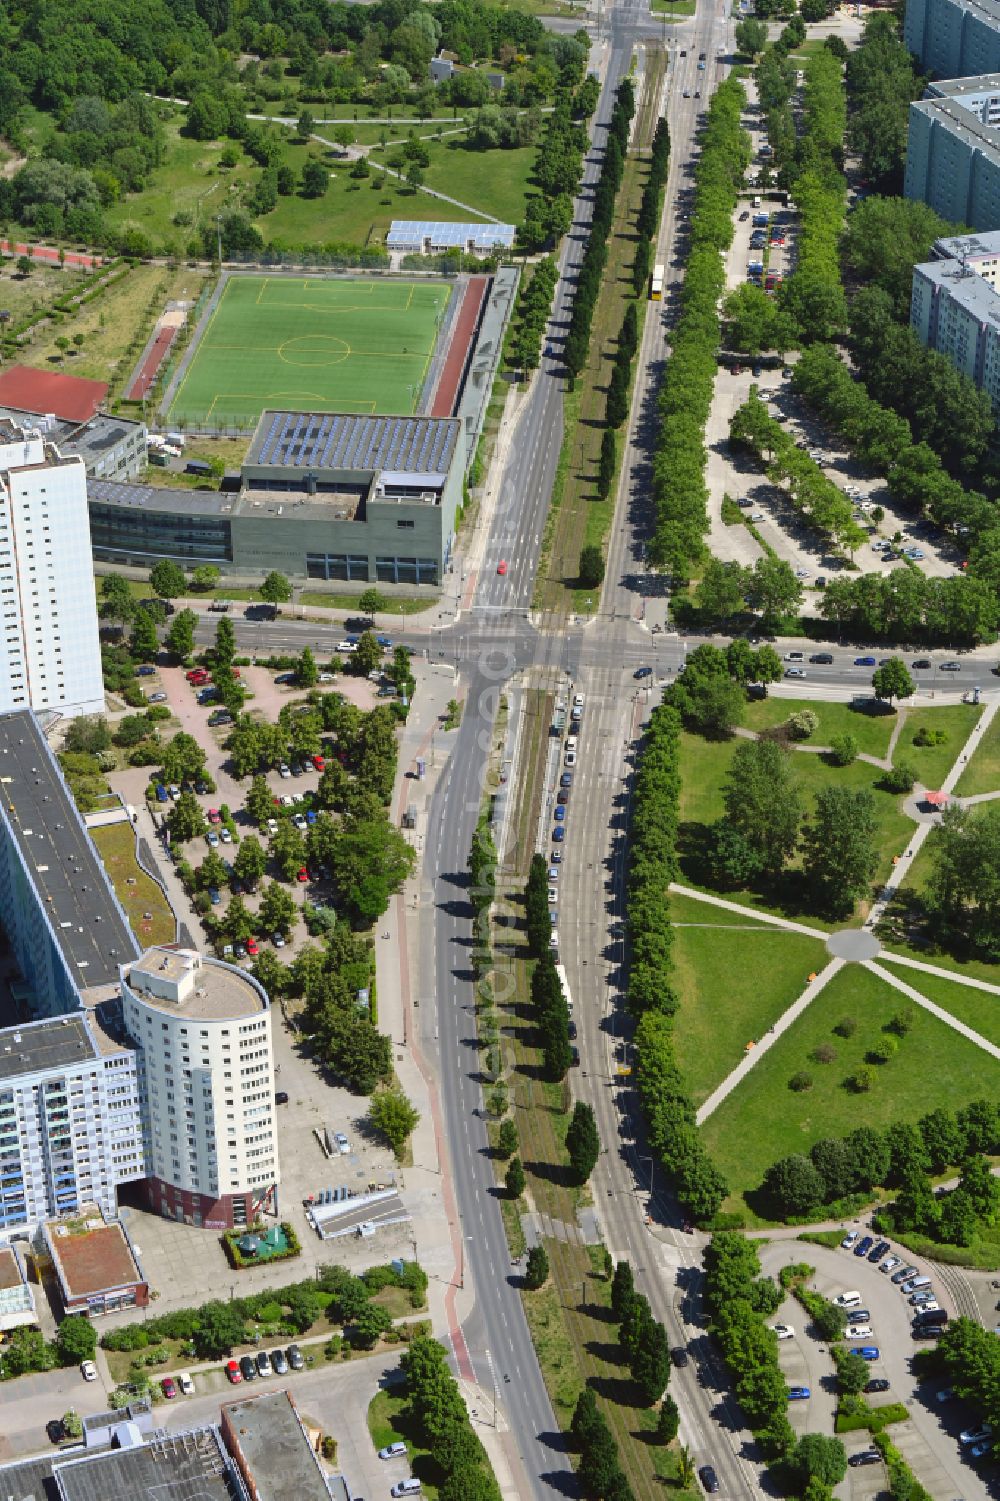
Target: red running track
column 146, row 373
column 458, row 349
column 49, row 256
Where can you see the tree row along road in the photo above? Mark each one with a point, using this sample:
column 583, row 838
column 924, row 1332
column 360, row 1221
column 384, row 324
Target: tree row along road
column 497, row 1333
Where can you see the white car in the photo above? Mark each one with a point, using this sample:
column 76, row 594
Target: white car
column 287, row 800
column 783, row 1331
column 795, row 656
column 570, row 758
column 299, row 821
column 858, row 1331
column 272, row 825
column 186, row 1384
column 88, row 1370
column 343, row 1145
column 553, row 893
column 757, row 516
column 279, row 940
column 849, row 1239
column 225, row 835
column 890, row 1264
column 284, row 770
column 346, row 647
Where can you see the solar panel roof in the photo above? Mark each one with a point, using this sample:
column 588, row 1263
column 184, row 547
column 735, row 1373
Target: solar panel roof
column 326, row 440
column 440, row 232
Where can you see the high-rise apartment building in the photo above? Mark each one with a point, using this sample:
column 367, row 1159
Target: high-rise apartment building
column 955, row 307
column 954, row 38
column 50, row 658
column 202, row 1029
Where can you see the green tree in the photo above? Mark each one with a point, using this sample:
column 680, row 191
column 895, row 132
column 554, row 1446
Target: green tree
column 818, row 1457
column 76, row 1340
column 514, row 1179
column 180, row 635
column 370, row 603
column 773, row 589
column 185, row 819
column 538, row 928
column 536, row 1270
column 212, row 872
column 394, row 1117
column 794, row 1185
column 224, row 650
column 250, row 861
column 367, row 655
column 892, row 680
column 720, row 592
column 606, row 466
column 26, row 1349
column 650, row 1362
column 762, row 801
column 591, row 573
column 166, row 579
column 259, row 802
column 24, row 265
column 963, row 892
column 305, row 126
column 276, row 589
column 144, row 644
column 751, row 36
column 369, row 861
column 506, row 1139
column 840, row 848
column 843, row 749
column 583, row 1145
column 368, row 1326
column 668, row 1421
column 220, row 1326
column 852, row 1373
column 288, row 849
column 306, row 671
column 315, row 178
column 278, row 910
column 622, row 1291
column 205, row 577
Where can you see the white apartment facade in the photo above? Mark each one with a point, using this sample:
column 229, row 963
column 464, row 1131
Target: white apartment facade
column 202, row 1029
column 955, row 307
column 51, row 650
column 70, row 1124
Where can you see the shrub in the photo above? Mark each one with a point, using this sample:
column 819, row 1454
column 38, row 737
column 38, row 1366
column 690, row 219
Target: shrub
column 825, row 1053
column 884, row 1050
column 800, row 1082
column 846, row 1027
column 862, row 1081
column 899, row 778
column 843, row 750
column 801, row 725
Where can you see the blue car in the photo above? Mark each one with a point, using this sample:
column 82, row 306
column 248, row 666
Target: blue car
column 162, row 796
column 864, row 1245
column 864, row 661
column 384, row 641
column 560, row 814
column 310, row 816
column 214, row 895
column 798, row 1393
column 558, row 834
column 867, row 1352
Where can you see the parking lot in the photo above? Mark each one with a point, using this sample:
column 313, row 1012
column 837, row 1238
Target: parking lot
column 929, row 1438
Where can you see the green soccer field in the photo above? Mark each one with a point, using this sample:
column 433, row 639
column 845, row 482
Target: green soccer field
column 310, row 343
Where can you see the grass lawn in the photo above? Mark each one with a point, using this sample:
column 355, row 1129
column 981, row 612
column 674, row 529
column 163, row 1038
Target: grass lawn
column 733, row 985
column 983, row 772
column 23, row 295
column 112, row 321
column 494, row 182
column 393, row 605
column 137, row 892
column 387, row 1424
column 977, row 1008
column 672, row 9
column 323, row 345
column 933, row 762
column 871, row 731
column 763, row 1119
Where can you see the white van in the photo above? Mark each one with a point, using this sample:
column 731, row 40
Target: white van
column 409, row 1487
column 848, row 1300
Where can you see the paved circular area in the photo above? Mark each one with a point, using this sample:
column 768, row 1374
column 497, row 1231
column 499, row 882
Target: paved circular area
column 853, row 943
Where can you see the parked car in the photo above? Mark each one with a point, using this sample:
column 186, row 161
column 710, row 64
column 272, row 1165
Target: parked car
column 783, row 1331
column 889, row 1264
column 186, row 1384
column 824, row 659
column 858, row 1331
column 877, row 1384
column 343, row 1145
column 864, row 661
column 55, row 1432
column 248, row 1369
column 863, row 1246
column 169, row 1387
column 799, row 1393
column 878, row 1251
column 975, row 1435
column 295, row 1358
column 849, row 1240
column 392, row 1451
column 88, row 1370
column 233, row 1372
column 279, row 1364
column 864, row 1457
column 867, row 1352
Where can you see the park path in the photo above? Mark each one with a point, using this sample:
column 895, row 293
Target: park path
column 816, row 983
column 352, row 153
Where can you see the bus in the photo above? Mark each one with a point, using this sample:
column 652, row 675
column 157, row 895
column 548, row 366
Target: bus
column 656, row 284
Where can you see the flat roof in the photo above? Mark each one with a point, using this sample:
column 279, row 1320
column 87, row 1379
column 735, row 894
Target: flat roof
column 331, row 440
column 190, row 1466
column 403, row 232
column 30, row 1479
column 10, row 1269
column 981, row 83
column 221, row 992
column 326, row 505
column 41, row 391
column 71, row 881
column 275, row 1448
column 953, row 247
column 94, row 1260
column 55, row 1043
column 964, row 123
column 970, row 291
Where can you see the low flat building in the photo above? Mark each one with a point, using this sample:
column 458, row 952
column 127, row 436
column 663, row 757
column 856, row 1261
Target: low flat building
column 955, row 308
column 953, row 151
column 271, row 1449
column 95, row 1265
column 67, row 411
column 185, row 1466
column 437, row 236
column 17, row 1300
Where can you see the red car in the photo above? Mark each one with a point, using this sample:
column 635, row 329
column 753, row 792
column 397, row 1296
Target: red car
column 303, row 874
column 169, row 1386
column 501, row 568
column 319, row 762
column 197, row 676
column 253, row 947
column 233, row 1372
column 214, row 816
